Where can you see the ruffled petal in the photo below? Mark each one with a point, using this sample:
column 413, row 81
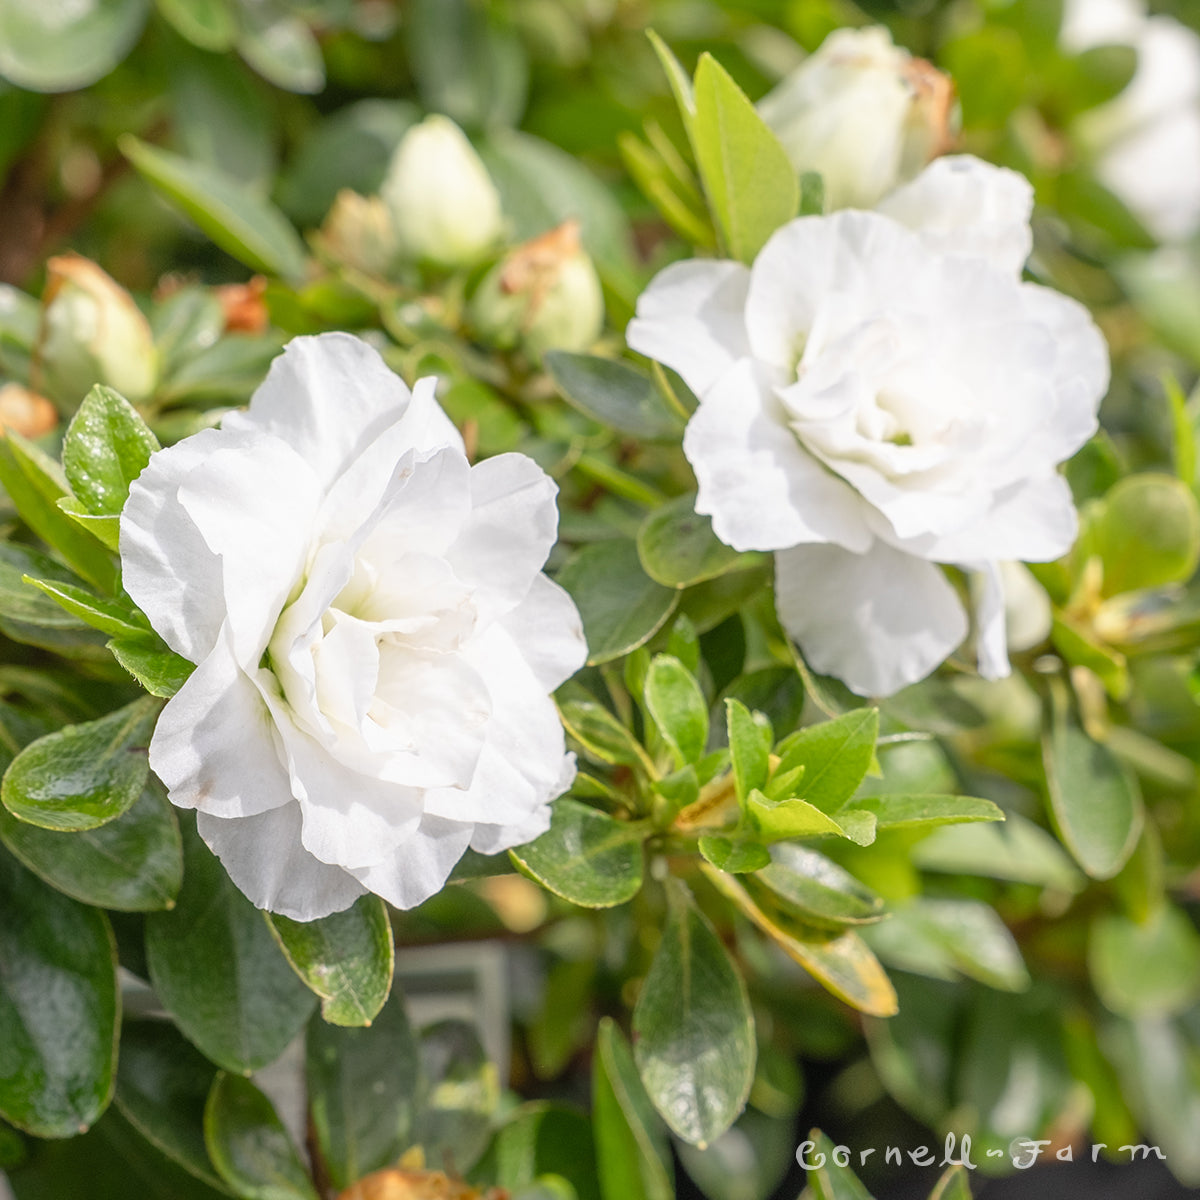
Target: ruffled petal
column 264, row 857
column 761, row 488
column 878, row 621
column 419, row 867
column 962, row 205
column 215, row 743
column 547, row 629
column 692, row 318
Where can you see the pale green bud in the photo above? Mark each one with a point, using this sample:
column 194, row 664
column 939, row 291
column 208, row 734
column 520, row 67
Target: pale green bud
column 544, row 295
column 92, row 332
column 358, row 232
column 444, row 205
column 862, row 112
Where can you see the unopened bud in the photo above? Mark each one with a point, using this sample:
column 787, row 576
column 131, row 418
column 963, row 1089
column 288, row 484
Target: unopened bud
column 92, row 332
column 862, row 112
column 359, row 233
column 25, row 412
column 444, row 205
column 544, row 295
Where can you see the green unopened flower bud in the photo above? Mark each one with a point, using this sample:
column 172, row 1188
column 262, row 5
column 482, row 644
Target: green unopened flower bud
column 92, row 332
column 864, row 113
column 444, row 205
column 358, row 232
column 544, row 295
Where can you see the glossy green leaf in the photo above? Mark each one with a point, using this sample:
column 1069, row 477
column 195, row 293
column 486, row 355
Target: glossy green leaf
column 24, row 605
column 917, row 812
column 835, row 755
column 455, row 1122
column 239, row 220
column 346, row 958
column 632, row 1157
column 815, row 889
column 106, row 447
column 163, row 1082
column 114, row 617
column 751, row 185
column 59, row 1014
column 106, row 530
column 364, row 1086
column 693, row 1027
column 828, row 1179
column 249, row 1146
column 1145, row 969
column 133, row 863
column 621, row 606
column 675, row 701
column 953, row 1185
column 81, row 776
column 281, row 48
column 217, row 969
column 602, row 737
column 209, row 24
column 49, row 48
column 775, row 820
column 678, row 547
column 542, row 1142
column 35, row 484
column 1017, row 849
column 749, row 748
column 1094, row 799
column 616, row 394
column 586, row 856
column 732, row 854
column 151, row 662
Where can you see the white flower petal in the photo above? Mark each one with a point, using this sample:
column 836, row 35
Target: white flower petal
column 493, row 839
column 166, row 566
column 264, row 857
column 691, row 318
column 420, row 866
column 962, row 205
column 991, row 634
column 761, row 488
column 215, row 742
column 878, row 621
column 330, row 397
column 547, row 629
column 508, row 535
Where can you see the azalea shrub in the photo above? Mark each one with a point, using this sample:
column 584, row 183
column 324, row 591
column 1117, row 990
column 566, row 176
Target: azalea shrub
column 597, row 596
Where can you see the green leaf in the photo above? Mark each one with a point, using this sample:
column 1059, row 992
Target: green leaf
column 678, row 547
column 1183, row 433
column 675, row 701
column 586, row 856
column 693, row 1027
column 681, row 85
column 209, row 24
column 81, row 776
column 114, row 617
column 45, row 48
column 1094, row 799
column 1147, row 533
column 455, row 1122
column 732, row 855
column 133, row 863
column 616, row 394
column 1148, row 969
column 282, row 49
column 346, row 958
column 106, row 530
column 775, row 820
column 917, row 812
column 621, row 607
column 602, row 737
column 539, row 1143
column 812, row 194
column 365, row 1086
column 632, row 1157
column 749, row 748
column 835, row 755
column 953, row 1185
column 815, row 889
column 35, row 484
column 564, row 1019
column 841, row 962
column 106, row 447
column 240, row 221
column 152, row 662
column 163, row 1083
column 751, row 185
column 249, row 1146
column 217, row 969
column 829, row 1180
column 20, row 604
column 59, row 1012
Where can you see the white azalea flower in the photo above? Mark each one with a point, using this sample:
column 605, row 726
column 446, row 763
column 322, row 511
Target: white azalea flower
column 879, row 394
column 375, row 643
column 1147, row 139
column 863, row 112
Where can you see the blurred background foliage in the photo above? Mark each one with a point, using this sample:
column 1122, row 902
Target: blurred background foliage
column 223, row 162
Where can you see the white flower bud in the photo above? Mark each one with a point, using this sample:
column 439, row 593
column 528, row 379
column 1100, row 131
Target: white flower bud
column 444, row 205
column 92, row 332
column 864, row 113
column 358, row 233
column 544, row 295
